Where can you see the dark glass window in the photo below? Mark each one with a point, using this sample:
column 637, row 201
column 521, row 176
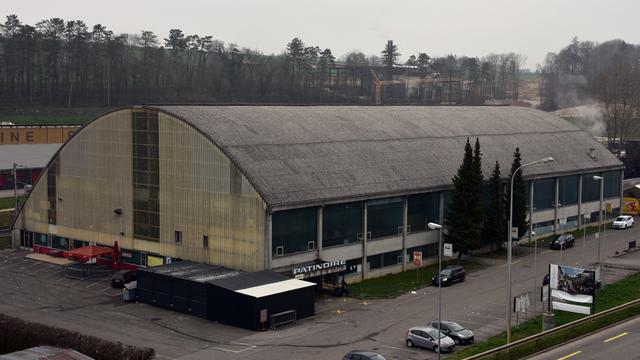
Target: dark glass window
column 353, row 265
column 568, row 190
column 446, row 199
column 612, row 184
column 146, row 176
column 341, row 223
column 384, row 216
column 427, row 251
column 293, row 230
column 544, row 193
column 205, row 241
column 423, row 208
column 387, row 259
column 178, row 237
column 590, row 187
column 52, row 197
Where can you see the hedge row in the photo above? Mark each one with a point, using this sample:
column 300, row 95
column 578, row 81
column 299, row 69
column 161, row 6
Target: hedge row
column 18, row 335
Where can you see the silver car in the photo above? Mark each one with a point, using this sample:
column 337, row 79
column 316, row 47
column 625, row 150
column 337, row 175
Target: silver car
column 427, row 337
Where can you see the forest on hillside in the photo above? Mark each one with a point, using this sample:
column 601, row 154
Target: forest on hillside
column 68, row 63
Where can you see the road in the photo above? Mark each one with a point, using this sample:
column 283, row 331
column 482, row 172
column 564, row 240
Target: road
column 38, row 293
column 478, row 304
column 617, row 342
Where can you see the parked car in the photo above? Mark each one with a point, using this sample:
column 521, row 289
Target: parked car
column 459, row 334
column 563, row 241
column 427, row 337
column 363, row 355
column 450, row 275
column 122, row 277
column 623, row 222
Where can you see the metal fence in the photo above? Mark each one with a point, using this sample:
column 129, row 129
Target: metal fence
column 87, row 271
column 561, row 334
column 283, row 318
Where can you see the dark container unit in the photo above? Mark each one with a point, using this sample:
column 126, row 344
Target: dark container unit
column 238, row 300
column 179, row 286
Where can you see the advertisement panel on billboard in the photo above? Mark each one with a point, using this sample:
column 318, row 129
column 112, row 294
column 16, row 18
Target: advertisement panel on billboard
column 631, row 206
column 571, row 289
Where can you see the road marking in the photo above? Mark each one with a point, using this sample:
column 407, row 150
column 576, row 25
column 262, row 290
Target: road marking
column 570, row 355
column 242, row 347
column 546, row 251
column 512, row 263
column 398, row 348
column 615, row 337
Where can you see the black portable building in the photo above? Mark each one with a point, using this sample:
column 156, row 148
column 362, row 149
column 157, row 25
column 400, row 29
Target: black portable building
column 179, row 286
column 238, row 300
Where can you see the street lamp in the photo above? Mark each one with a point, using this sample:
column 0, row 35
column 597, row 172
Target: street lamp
column 600, row 231
column 509, row 240
column 434, row 226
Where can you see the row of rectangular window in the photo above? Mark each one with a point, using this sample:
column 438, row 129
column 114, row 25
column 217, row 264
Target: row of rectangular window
column 293, row 230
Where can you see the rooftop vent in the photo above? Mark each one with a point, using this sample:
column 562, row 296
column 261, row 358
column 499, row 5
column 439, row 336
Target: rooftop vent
column 592, row 153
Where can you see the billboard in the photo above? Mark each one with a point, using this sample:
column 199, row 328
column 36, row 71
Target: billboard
column 571, row 289
column 631, row 206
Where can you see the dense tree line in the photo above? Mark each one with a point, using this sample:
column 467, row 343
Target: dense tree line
column 606, row 74
column 57, row 62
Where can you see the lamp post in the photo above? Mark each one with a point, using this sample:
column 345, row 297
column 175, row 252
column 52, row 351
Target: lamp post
column 434, row 226
column 600, row 231
column 509, row 241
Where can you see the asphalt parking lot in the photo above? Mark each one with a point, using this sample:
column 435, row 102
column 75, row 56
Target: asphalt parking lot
column 39, row 292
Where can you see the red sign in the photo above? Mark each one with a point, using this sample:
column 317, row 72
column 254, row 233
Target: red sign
column 417, row 258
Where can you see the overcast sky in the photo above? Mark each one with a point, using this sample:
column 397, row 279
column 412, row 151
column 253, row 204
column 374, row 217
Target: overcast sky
column 462, row 27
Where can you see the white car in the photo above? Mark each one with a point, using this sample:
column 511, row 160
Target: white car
column 623, row 222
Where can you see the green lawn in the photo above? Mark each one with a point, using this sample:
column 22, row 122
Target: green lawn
column 502, row 253
column 618, row 293
column 9, row 202
column 396, row 284
column 47, row 118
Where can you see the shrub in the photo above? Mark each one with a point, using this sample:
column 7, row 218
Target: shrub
column 19, row 334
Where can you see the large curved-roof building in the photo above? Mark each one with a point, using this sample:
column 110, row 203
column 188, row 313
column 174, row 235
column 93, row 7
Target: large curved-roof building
column 291, row 188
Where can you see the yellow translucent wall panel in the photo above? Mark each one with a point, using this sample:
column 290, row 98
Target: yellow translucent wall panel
column 201, row 193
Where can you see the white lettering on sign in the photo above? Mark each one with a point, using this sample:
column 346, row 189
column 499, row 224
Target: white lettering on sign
column 321, row 266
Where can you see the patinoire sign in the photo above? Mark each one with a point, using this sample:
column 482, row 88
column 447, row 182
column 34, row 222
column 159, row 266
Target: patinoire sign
column 316, row 269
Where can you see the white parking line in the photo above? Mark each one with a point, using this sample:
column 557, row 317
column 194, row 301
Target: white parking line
column 398, row 348
column 512, row 263
column 248, row 347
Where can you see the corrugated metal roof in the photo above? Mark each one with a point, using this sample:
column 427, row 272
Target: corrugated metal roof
column 193, row 271
column 298, row 155
column 249, row 280
column 45, row 353
column 29, row 155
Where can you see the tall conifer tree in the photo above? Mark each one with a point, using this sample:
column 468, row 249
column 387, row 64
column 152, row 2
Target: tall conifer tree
column 519, row 196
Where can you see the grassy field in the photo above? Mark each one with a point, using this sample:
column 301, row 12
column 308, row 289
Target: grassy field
column 9, row 202
column 50, row 116
column 618, row 293
column 396, row 284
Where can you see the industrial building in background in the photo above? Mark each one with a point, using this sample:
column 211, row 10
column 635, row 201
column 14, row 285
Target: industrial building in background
column 30, row 148
column 307, row 191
